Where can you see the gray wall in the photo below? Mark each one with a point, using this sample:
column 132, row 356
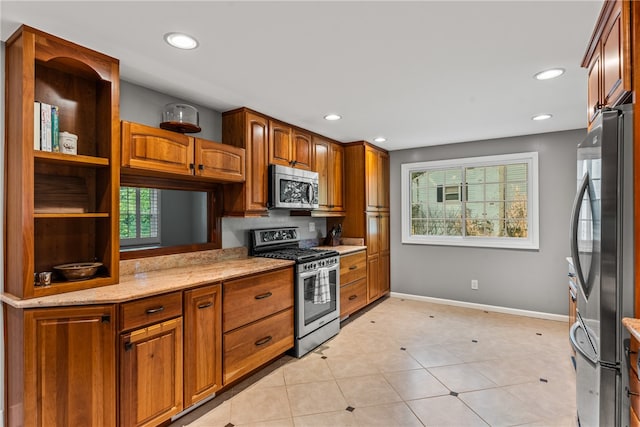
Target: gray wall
column 183, row 217
column 520, row 279
column 141, row 105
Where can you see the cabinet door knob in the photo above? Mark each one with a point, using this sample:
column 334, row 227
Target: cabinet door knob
column 192, row 166
column 201, row 167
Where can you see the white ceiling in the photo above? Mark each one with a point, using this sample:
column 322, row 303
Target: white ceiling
column 419, row 73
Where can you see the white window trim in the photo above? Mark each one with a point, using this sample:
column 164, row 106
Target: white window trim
column 531, row 242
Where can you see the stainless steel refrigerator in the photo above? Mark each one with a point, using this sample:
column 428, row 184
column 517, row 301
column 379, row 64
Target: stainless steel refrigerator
column 602, row 252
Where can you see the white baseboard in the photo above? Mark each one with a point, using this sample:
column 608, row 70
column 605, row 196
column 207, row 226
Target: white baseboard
column 494, row 308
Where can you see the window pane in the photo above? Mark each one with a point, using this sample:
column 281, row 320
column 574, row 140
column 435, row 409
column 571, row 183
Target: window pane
column 517, row 172
column 516, row 191
column 494, row 192
column 495, row 173
column 475, row 175
column 475, row 210
column 475, row 192
column 453, row 227
column 453, row 176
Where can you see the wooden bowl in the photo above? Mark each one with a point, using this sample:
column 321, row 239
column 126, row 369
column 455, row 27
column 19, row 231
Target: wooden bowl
column 78, row 270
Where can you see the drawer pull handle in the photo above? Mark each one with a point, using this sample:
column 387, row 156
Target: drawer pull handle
column 263, row 341
column 353, row 267
column 155, row 310
column 352, row 297
column 205, row 305
column 263, row 296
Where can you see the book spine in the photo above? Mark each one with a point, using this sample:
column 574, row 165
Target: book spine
column 55, row 141
column 37, row 119
column 46, row 127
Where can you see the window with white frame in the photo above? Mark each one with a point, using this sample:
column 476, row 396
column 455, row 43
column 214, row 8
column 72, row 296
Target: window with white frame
column 487, row 201
column 139, row 216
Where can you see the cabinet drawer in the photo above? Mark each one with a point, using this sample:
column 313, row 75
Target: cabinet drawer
column 252, row 298
column 353, row 297
column 150, row 310
column 250, row 347
column 353, row 267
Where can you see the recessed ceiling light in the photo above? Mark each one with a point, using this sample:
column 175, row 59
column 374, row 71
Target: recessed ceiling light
column 549, row 74
column 541, row 117
column 379, row 139
column 181, row 40
column 332, row 117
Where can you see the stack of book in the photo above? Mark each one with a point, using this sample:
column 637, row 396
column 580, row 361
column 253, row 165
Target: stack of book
column 45, row 127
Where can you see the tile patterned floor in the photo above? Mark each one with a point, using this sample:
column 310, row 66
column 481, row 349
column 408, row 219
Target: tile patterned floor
column 411, row 363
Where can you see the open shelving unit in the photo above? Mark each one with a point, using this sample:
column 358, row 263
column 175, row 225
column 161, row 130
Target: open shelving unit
column 60, row 208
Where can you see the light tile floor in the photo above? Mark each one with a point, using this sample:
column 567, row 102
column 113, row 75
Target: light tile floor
column 411, row 363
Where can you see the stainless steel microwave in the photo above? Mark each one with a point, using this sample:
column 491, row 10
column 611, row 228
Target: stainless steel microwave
column 291, row 188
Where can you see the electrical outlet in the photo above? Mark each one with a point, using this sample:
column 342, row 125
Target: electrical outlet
column 312, row 226
column 474, row 284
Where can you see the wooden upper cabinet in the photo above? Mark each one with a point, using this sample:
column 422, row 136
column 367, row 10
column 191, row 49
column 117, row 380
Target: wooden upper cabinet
column 61, row 208
column 289, row 146
column 593, row 89
column 377, row 178
column 162, row 152
column 301, row 150
column 328, row 161
column 244, row 129
column 70, row 367
column 608, row 58
column 149, row 148
column 280, row 143
column 219, row 161
column 202, row 343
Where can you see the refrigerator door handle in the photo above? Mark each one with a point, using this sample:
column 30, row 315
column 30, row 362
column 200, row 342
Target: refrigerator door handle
column 575, row 217
column 577, row 347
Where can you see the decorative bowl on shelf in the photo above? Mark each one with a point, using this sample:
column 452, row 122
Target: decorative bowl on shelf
column 78, row 270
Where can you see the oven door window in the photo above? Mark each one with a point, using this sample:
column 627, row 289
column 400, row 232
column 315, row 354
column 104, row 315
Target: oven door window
column 320, row 297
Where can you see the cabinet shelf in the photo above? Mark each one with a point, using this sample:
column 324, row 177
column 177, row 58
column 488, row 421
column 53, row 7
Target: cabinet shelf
column 70, row 159
column 70, row 286
column 64, row 215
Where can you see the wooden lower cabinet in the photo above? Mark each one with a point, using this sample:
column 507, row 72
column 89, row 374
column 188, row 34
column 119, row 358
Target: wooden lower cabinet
column 258, row 321
column 61, row 366
column 151, row 374
column 634, row 384
column 202, row 343
column 253, row 345
column 353, row 283
column 353, row 297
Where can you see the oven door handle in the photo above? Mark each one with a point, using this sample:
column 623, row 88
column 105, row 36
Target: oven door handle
column 307, row 274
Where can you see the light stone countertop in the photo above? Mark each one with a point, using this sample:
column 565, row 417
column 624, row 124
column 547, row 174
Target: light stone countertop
column 633, row 326
column 154, row 282
column 343, row 249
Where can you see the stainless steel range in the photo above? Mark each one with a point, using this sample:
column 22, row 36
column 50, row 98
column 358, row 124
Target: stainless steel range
column 317, row 284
